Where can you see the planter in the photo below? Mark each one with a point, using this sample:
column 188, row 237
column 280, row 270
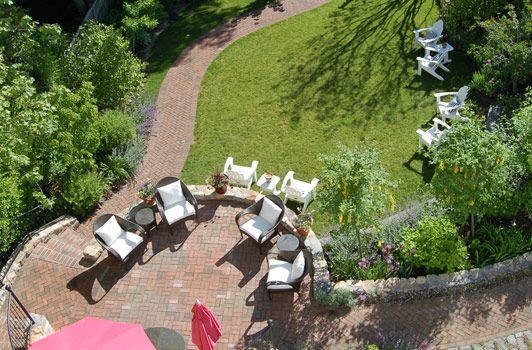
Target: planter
column 149, row 201
column 221, row 190
column 301, row 231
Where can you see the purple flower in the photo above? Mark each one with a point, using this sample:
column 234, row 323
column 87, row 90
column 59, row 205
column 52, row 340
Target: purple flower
column 492, row 81
column 388, row 248
column 362, row 263
column 401, row 246
column 390, row 269
column 413, row 251
column 397, row 264
column 488, row 63
column 383, row 251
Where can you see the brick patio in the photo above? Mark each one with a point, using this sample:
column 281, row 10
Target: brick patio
column 208, row 262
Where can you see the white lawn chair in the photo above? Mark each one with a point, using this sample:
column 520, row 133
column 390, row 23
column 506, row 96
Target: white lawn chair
column 451, row 109
column 430, row 64
column 298, row 191
column 431, row 38
column 241, row 175
column 432, row 135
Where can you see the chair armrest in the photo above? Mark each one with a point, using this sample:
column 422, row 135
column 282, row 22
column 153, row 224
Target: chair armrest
column 439, row 95
column 417, row 31
column 288, row 177
column 254, row 165
column 228, row 163
column 433, row 39
column 314, row 183
column 189, row 196
column 438, row 121
column 420, row 132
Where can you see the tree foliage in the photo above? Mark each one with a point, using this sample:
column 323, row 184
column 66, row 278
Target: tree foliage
column 354, row 187
column 474, row 173
column 101, row 56
column 141, row 16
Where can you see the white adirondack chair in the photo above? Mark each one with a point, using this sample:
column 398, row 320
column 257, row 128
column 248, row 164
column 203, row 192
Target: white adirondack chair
column 450, row 110
column 432, row 135
column 430, row 64
column 298, row 191
column 241, row 175
column 431, row 38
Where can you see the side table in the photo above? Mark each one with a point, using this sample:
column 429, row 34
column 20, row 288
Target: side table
column 444, row 51
column 269, row 186
column 145, row 217
column 287, row 242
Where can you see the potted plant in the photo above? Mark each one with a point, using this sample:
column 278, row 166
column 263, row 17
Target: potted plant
column 219, row 182
column 147, row 192
column 303, row 223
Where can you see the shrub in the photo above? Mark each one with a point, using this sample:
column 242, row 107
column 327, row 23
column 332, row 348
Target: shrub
column 84, row 191
column 522, row 132
column 121, row 164
column 142, row 111
column 335, row 298
column 141, row 16
column 101, row 56
column 437, row 245
column 494, row 244
column 505, row 58
column 116, row 129
column 12, row 201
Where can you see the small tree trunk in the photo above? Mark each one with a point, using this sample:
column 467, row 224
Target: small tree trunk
column 472, row 225
column 514, row 84
column 359, row 244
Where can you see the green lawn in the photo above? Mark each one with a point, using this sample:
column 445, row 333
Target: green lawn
column 344, row 72
column 196, row 20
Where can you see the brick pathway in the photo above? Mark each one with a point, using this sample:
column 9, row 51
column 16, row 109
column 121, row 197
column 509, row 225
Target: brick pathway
column 208, row 262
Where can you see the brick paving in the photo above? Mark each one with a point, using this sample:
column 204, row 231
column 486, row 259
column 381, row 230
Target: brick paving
column 209, row 262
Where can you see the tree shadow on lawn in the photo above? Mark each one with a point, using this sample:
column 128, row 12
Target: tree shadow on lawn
column 444, row 320
column 377, row 33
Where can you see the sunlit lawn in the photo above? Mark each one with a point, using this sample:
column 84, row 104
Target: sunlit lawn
column 344, row 72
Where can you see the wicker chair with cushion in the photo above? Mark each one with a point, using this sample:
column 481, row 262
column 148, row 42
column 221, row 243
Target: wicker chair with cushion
column 287, row 269
column 175, row 202
column 113, row 233
column 269, row 212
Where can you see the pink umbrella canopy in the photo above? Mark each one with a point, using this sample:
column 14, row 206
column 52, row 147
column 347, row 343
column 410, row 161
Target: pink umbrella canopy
column 94, row 333
column 205, row 328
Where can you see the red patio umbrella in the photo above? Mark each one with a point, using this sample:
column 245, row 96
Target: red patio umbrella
column 205, row 328
column 94, row 333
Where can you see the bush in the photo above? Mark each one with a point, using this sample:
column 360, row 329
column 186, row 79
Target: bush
column 335, row 298
column 495, row 244
column 142, row 111
column 84, row 191
column 12, row 201
column 116, row 129
column 141, row 16
column 101, row 56
column 121, row 164
column 437, row 245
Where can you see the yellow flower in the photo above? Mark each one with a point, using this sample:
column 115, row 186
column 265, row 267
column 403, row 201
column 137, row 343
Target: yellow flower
column 461, row 169
column 445, row 190
column 380, row 188
column 472, row 203
column 502, row 161
column 371, row 188
column 349, row 218
column 442, row 167
column 339, row 186
column 380, row 243
column 455, row 169
column 343, row 180
column 392, row 208
column 465, row 175
column 330, row 180
column 341, row 218
column 391, row 199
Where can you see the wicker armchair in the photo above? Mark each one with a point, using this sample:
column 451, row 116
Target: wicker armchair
column 265, row 224
column 118, row 241
column 180, row 211
column 280, row 270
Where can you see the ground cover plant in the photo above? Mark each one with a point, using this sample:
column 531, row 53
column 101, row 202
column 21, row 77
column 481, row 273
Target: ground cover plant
column 346, row 73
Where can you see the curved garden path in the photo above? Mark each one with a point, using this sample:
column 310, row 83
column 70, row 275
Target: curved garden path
column 450, row 321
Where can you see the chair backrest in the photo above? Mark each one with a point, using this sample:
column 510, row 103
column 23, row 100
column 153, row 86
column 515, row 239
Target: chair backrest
column 437, row 28
column 235, row 175
column 293, row 193
column 461, row 95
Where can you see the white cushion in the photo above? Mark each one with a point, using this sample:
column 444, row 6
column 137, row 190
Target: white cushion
column 171, row 193
column 124, row 244
column 244, row 170
column 110, row 231
column 279, row 271
column 178, row 211
column 298, row 267
column 270, row 211
column 255, row 227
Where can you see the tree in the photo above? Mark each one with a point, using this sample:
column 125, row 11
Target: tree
column 474, row 172
column 101, row 56
column 505, row 59
column 354, row 188
column 141, row 17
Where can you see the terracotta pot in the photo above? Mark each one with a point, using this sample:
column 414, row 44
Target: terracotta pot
column 301, row 231
column 444, row 45
column 149, row 201
column 268, row 177
column 221, row 190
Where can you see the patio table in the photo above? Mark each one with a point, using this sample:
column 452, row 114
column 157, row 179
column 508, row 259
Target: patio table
column 165, row 338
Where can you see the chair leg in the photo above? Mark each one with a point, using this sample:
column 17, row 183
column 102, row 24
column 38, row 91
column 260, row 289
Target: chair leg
column 305, row 205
